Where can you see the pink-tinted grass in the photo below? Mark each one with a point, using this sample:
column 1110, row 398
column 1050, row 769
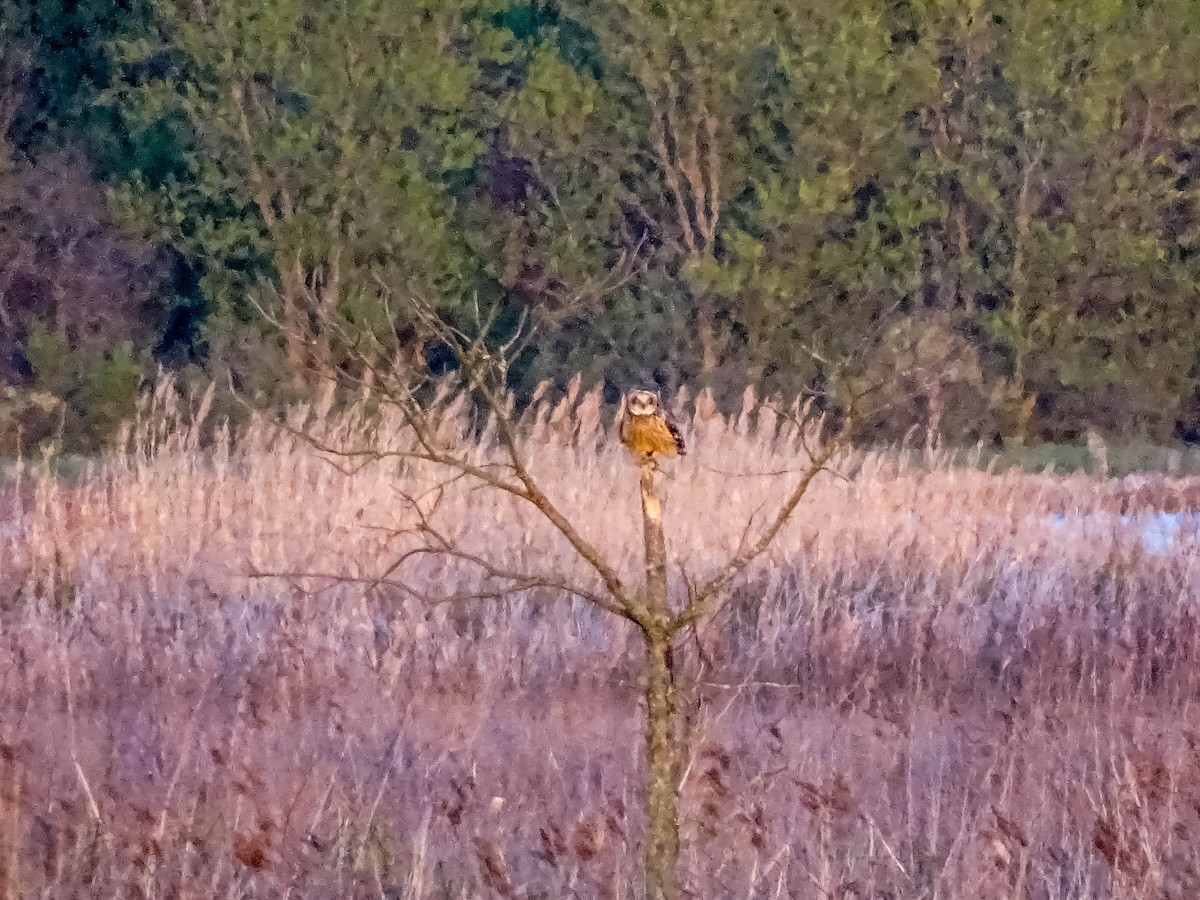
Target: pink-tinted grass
column 926, row 689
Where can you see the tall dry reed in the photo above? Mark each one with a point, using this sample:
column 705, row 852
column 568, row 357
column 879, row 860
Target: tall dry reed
column 931, row 688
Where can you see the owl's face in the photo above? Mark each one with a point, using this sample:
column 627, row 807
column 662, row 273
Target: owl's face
column 642, row 403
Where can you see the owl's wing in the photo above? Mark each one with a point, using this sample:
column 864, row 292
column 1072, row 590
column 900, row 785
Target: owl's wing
column 623, row 419
column 680, row 447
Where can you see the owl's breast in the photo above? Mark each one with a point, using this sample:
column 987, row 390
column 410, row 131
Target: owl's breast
column 648, row 435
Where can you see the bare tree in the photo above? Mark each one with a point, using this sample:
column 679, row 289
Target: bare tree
column 481, row 373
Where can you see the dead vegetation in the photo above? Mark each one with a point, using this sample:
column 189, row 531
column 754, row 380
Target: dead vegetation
column 926, row 689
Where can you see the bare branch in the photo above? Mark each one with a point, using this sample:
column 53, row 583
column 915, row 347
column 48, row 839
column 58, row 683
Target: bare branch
column 714, row 175
column 445, row 546
column 706, row 597
column 483, row 373
column 475, row 368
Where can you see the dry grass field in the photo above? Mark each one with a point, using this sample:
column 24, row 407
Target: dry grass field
column 932, row 688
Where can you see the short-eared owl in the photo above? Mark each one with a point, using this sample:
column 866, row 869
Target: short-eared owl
column 646, row 431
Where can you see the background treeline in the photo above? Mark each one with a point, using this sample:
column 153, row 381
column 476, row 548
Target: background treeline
column 990, row 207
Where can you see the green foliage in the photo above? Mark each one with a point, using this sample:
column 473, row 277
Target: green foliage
column 83, row 395
column 48, row 352
column 78, row 398
column 708, row 192
column 107, row 390
column 70, row 67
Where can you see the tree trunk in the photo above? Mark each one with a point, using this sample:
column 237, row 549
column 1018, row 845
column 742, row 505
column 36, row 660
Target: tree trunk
column 1024, row 224
column 662, row 772
column 662, row 766
column 295, row 333
column 706, row 328
column 1020, row 280
column 656, row 544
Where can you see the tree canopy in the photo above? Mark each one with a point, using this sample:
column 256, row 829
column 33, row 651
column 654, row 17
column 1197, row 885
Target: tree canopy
column 990, row 207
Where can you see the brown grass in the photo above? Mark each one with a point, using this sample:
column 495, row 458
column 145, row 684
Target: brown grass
column 927, row 690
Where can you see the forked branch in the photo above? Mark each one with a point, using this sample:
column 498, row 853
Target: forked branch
column 703, row 599
column 482, row 372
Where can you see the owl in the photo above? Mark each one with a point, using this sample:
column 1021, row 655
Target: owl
column 646, row 431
